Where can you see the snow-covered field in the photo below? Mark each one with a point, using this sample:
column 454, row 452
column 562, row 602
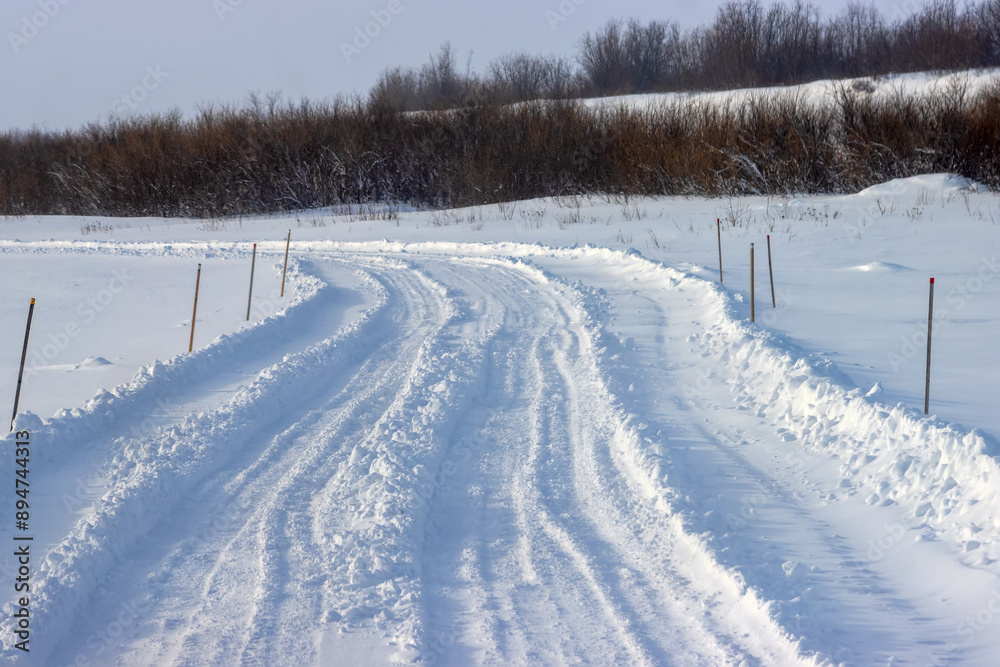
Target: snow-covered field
column 536, row 433
column 825, row 92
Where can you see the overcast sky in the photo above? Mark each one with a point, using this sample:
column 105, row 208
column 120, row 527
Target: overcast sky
column 67, row 62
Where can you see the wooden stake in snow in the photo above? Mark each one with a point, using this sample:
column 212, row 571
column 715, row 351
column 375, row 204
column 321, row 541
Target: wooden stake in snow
column 753, row 299
column 253, row 263
column 194, row 313
column 288, row 242
column 24, row 356
column 770, row 270
column 718, row 229
column 930, row 327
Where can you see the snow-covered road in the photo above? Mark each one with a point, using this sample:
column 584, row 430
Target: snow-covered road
column 509, row 454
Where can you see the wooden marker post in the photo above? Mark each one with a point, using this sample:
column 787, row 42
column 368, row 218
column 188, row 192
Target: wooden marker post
column 253, row 263
column 718, row 229
column 194, row 313
column 770, row 270
column 753, row 298
column 24, row 356
column 288, row 242
column 930, row 328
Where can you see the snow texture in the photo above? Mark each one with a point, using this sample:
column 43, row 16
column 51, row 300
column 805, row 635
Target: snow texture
column 501, row 437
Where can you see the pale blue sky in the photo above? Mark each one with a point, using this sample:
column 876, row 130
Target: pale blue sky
column 67, row 62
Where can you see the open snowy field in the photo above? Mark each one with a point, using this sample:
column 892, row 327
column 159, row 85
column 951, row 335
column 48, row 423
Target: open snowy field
column 534, row 433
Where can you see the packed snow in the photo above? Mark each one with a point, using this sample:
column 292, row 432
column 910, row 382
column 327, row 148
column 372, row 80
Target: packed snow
column 541, row 432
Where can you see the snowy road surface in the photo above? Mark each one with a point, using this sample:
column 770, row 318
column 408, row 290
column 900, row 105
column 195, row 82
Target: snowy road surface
column 506, row 454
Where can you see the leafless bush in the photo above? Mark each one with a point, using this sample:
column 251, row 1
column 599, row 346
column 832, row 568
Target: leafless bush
column 273, row 156
column 437, row 84
column 518, row 77
column 746, row 44
column 987, row 16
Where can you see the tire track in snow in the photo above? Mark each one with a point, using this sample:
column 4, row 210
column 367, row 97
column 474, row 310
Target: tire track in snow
column 78, row 448
column 719, row 613
column 551, row 546
column 772, row 509
column 563, row 522
column 534, row 540
column 542, row 504
column 619, row 518
column 384, row 585
column 501, row 637
column 254, row 586
column 282, row 481
column 155, row 475
column 309, row 576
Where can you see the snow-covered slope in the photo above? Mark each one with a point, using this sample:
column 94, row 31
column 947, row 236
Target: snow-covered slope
column 824, row 92
column 541, row 433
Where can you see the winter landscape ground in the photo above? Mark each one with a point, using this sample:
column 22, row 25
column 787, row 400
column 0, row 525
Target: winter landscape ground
column 532, row 433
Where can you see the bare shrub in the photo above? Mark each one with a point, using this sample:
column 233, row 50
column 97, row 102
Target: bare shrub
column 439, row 135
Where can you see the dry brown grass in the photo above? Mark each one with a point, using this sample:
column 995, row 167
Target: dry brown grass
column 269, row 157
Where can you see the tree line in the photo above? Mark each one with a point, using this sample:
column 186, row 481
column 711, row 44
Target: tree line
column 746, row 45
column 271, row 156
column 439, row 135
